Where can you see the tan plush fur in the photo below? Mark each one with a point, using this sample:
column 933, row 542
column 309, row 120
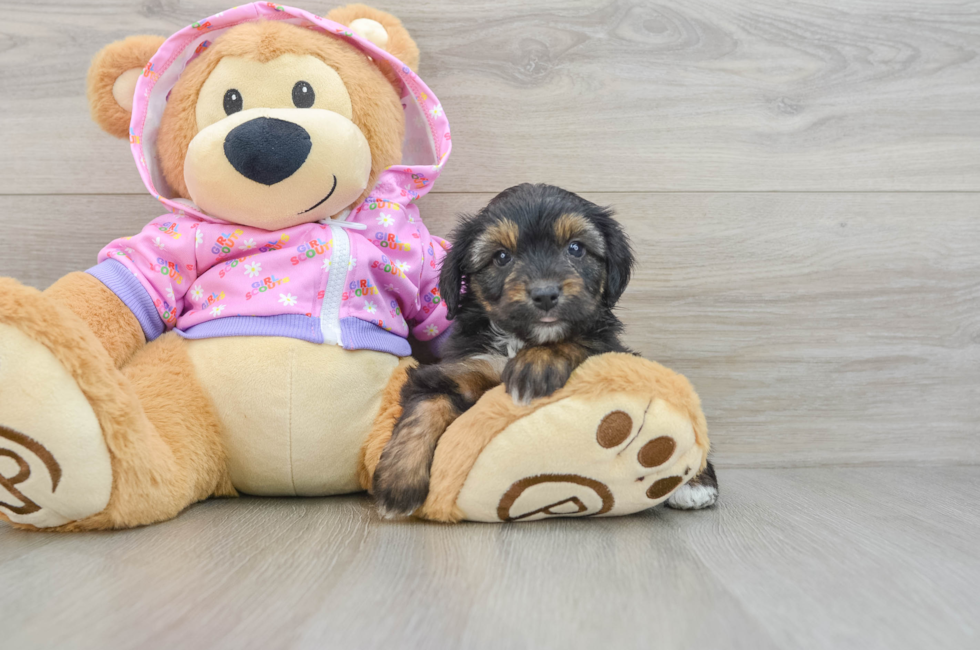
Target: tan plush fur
column 376, row 106
column 384, row 424
column 400, row 43
column 172, row 456
column 601, row 375
column 618, row 372
column 110, row 62
column 105, row 314
column 164, row 456
column 318, row 405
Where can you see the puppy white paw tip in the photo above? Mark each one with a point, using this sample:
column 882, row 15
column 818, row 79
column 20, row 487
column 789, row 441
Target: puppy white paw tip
column 693, row 497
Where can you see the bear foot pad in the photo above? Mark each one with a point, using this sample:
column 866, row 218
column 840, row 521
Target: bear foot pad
column 54, row 463
column 577, row 457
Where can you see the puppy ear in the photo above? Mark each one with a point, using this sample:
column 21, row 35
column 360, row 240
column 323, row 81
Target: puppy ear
column 112, row 81
column 382, row 29
column 451, row 275
column 451, row 279
column 619, row 259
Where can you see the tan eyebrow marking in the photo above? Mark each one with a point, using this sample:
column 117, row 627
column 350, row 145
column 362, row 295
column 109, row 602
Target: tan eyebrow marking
column 575, row 226
column 503, row 233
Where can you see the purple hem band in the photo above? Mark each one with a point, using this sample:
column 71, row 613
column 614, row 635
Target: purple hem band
column 357, row 334
column 124, row 284
column 296, row 326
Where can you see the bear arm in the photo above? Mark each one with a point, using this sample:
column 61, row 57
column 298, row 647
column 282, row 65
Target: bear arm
column 106, row 315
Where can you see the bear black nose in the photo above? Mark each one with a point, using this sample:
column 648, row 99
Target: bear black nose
column 544, row 298
column 267, row 150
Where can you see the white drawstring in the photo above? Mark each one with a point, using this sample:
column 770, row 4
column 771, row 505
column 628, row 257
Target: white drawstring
column 339, row 221
column 345, row 224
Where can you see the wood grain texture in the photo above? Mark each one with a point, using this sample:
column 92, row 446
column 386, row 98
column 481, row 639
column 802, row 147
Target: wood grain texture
column 819, row 328
column 618, row 95
column 872, row 558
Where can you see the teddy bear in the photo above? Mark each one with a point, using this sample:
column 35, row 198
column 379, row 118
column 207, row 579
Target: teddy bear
column 253, row 339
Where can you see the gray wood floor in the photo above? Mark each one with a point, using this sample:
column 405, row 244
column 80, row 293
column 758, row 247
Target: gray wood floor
column 802, row 182
column 834, row 558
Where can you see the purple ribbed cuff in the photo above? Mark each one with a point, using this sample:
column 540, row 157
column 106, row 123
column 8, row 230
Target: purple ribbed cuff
column 296, row 326
column 357, row 334
column 124, row 284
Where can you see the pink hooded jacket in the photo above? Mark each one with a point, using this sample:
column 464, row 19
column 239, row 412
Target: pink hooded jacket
column 363, row 282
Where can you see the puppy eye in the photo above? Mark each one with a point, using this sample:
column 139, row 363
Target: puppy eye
column 303, row 95
column 501, row 258
column 576, row 249
column 233, row 101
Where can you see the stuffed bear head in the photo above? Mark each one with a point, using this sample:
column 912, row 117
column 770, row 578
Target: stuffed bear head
column 271, row 124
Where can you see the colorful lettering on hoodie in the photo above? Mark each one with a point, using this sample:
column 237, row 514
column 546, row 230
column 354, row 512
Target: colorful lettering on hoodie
column 364, row 282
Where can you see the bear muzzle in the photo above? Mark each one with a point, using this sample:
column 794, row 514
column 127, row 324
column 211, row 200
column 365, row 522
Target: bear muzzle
column 274, row 168
column 267, row 150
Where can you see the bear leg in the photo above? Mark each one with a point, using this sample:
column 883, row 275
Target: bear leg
column 86, row 446
column 621, row 436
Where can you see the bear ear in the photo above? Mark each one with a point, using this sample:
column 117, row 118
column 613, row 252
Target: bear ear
column 112, row 81
column 382, row 29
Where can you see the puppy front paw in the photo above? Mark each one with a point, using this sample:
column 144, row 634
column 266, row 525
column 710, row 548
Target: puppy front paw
column 530, row 376
column 400, row 488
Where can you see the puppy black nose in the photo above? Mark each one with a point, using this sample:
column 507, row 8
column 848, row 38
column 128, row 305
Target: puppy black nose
column 267, row 150
column 544, row 298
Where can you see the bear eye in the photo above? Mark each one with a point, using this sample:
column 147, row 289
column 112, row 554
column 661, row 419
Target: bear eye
column 501, row 258
column 576, row 249
column 303, row 95
column 233, row 101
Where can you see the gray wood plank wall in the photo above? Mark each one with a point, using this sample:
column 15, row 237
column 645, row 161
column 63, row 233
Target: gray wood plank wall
column 801, row 181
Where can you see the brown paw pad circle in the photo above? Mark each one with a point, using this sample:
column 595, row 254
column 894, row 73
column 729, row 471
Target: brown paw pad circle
column 663, row 487
column 656, row 452
column 555, row 495
column 614, row 429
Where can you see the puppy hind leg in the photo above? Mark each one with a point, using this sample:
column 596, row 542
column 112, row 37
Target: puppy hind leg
column 401, row 479
column 432, row 398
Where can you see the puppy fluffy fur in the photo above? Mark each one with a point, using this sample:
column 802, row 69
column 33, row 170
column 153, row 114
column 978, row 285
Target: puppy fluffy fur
column 531, row 282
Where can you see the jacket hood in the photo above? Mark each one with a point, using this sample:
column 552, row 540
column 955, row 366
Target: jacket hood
column 427, row 140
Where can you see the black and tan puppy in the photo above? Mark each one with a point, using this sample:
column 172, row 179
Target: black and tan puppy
column 531, row 282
